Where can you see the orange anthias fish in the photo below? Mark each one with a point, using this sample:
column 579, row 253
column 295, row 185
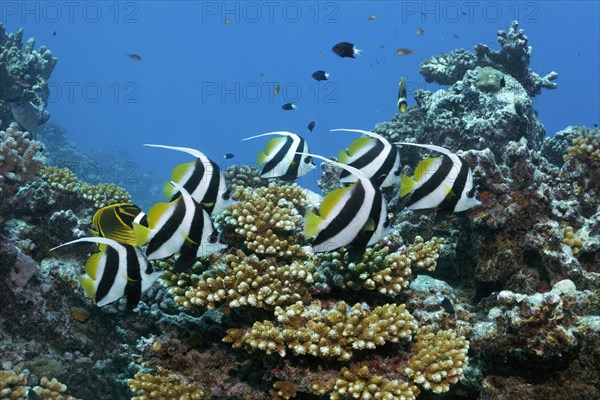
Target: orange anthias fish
column 404, row 52
column 135, row 57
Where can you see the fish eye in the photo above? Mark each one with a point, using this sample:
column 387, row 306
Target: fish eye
column 471, row 192
column 397, row 172
column 213, row 238
column 308, row 160
column 227, row 195
column 149, row 269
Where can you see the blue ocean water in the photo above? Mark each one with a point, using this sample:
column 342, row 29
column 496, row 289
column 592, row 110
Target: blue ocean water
column 208, row 69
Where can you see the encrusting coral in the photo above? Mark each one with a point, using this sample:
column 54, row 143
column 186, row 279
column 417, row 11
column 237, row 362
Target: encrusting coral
column 164, row 385
column 332, row 333
column 267, row 220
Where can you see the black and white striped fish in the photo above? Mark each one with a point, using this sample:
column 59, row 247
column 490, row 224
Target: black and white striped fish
column 374, row 156
column 202, row 178
column 354, row 216
column 444, row 182
column 402, row 102
column 181, row 226
column 117, row 270
column 281, row 157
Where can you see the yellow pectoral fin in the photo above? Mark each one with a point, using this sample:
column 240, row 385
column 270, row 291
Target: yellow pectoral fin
column 168, row 190
column 311, row 224
column 369, row 226
column 187, row 238
column 406, row 185
column 88, row 286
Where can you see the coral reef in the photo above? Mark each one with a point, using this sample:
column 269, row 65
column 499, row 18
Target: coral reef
column 244, row 176
column 24, row 74
column 14, row 386
column 266, row 221
column 164, row 385
column 513, row 59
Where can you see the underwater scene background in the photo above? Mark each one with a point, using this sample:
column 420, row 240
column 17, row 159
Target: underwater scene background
column 299, row 200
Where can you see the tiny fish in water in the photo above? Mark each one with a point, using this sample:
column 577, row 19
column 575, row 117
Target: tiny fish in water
column 320, row 53
column 346, row 49
column 276, row 89
column 404, row 52
column 54, row 33
column 311, row 126
column 595, row 125
column 448, row 306
column 381, row 46
column 372, row 17
column 288, row 106
column 227, row 21
column 24, row 83
column 455, row 36
column 320, row 75
column 262, row 76
column 402, row 102
column 134, row 57
column 420, row 31
column 228, row 156
column 281, row 157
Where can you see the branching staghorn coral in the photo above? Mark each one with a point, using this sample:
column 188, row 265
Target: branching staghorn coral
column 246, row 280
column 332, row 333
column 364, row 385
column 164, row 385
column 267, row 220
column 17, row 155
column 380, row 268
column 438, row 359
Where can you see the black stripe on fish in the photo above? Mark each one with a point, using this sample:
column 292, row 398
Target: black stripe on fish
column 344, row 217
column 365, row 159
column 169, row 229
column 188, row 252
column 434, row 182
column 294, row 169
column 458, row 187
column 109, row 273
column 193, row 180
column 133, row 289
column 279, row 157
column 210, row 197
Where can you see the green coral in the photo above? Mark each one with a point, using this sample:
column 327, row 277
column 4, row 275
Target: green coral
column 488, row 79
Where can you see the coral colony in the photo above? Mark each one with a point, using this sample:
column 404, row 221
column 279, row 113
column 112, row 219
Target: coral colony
column 498, row 301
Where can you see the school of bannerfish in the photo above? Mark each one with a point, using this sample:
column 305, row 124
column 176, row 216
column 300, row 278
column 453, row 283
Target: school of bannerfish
column 354, row 216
